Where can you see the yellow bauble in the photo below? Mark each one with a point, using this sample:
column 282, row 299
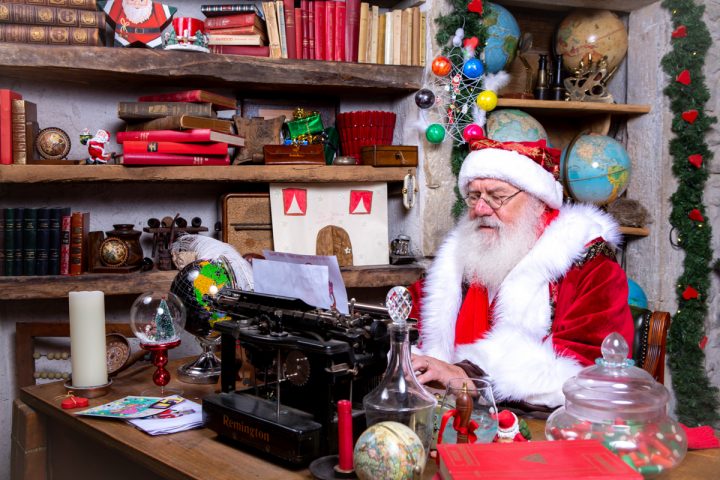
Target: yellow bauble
column 487, row 100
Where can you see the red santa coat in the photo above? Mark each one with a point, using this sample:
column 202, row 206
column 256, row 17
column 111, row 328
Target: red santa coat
column 148, row 32
column 528, row 352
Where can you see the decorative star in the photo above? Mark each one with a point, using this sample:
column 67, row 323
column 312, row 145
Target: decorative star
column 690, row 293
column 348, row 250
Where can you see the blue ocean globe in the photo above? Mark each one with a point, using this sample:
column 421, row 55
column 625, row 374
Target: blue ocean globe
column 512, row 125
column 503, row 35
column 595, row 169
column 636, row 295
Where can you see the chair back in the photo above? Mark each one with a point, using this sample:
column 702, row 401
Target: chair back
column 650, row 340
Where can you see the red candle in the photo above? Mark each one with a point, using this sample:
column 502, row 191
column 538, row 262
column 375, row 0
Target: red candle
column 345, row 436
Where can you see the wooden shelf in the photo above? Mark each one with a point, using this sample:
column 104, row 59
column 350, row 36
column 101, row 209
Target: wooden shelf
column 31, row 288
column 565, row 109
column 25, row 174
column 145, row 67
column 616, row 5
column 635, row 231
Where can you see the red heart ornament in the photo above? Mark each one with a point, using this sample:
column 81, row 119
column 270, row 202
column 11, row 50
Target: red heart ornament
column 684, row 77
column 690, row 293
column 680, row 32
column 696, row 215
column 475, row 6
column 696, row 160
column 690, row 116
column 470, row 42
column 703, row 342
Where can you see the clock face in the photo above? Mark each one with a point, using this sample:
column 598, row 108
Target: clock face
column 113, row 252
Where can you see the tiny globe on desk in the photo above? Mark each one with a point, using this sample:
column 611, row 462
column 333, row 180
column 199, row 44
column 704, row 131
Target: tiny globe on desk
column 52, row 143
column 389, row 450
column 156, row 318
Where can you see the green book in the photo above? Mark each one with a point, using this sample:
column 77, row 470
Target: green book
column 29, row 240
column 18, row 250
column 42, row 247
column 2, row 242
column 54, row 256
column 9, row 242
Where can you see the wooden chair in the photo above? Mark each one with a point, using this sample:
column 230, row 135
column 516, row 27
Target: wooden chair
column 650, row 340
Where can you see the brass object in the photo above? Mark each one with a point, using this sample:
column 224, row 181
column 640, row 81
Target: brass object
column 589, row 82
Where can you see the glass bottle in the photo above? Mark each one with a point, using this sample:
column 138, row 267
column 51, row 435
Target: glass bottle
column 400, row 397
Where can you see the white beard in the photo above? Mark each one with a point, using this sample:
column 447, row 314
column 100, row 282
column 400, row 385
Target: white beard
column 138, row 14
column 488, row 256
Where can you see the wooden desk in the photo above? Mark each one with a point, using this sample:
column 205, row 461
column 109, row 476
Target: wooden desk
column 82, row 447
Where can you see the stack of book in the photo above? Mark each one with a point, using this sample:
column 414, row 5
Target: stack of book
column 237, row 34
column 18, row 128
column 52, row 22
column 178, row 128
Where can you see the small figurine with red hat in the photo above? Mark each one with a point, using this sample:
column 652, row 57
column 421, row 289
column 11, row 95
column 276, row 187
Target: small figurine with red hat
column 96, row 148
column 509, row 428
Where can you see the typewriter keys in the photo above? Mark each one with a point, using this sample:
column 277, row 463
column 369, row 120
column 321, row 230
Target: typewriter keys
column 297, row 368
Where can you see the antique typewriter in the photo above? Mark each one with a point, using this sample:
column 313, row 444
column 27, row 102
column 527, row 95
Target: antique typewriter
column 303, row 360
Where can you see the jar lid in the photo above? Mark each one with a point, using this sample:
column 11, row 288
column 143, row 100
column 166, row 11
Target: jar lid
column 614, row 388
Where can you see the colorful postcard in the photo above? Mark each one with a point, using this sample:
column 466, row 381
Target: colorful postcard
column 133, row 407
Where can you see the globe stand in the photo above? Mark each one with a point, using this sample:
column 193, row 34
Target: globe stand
column 205, row 368
column 161, row 376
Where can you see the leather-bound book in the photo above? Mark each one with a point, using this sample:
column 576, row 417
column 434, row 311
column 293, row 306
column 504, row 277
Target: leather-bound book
column 9, row 235
column 55, row 235
column 29, row 240
column 138, row 111
column 2, row 242
column 6, row 99
column 16, row 13
column 79, row 228
column 18, row 242
column 290, row 27
column 23, row 111
column 219, row 102
column 51, row 35
column 238, row 20
column 42, row 249
column 74, row 4
column 65, row 216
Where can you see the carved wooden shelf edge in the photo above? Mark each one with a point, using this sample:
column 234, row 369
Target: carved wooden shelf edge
column 28, row 288
column 554, row 107
column 635, row 231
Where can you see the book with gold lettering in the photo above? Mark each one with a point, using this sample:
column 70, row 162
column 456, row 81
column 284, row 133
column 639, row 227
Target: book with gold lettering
column 51, row 35
column 15, row 13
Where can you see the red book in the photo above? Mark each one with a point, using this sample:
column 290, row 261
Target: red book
column 228, row 21
column 247, row 30
column 140, row 146
column 299, row 38
column 340, row 21
column 65, row 245
column 329, row 49
column 6, row 98
column 318, row 26
column 249, row 50
column 561, row 460
column 79, row 228
column 308, row 53
column 352, row 30
column 198, row 135
column 193, row 96
column 170, row 159
column 289, row 14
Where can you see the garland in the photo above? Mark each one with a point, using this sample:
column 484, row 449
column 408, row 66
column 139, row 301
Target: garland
column 697, row 398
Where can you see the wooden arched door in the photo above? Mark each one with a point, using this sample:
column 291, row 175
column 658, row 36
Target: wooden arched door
column 334, row 240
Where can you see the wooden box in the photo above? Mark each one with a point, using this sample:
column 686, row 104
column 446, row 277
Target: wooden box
column 294, row 154
column 389, row 155
column 246, row 222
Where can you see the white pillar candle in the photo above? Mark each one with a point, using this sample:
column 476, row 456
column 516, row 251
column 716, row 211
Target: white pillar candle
column 87, row 339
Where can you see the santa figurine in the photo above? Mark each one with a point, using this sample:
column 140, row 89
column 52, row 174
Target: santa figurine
column 96, row 148
column 508, row 428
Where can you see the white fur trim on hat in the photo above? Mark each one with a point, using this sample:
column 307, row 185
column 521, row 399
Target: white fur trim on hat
column 513, row 168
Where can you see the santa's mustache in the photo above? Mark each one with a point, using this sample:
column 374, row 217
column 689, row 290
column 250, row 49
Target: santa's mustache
column 487, row 222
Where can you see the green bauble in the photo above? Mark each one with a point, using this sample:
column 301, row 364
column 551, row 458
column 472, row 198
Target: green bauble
column 435, row 133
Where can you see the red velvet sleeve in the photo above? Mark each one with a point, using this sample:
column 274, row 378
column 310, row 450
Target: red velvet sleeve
column 592, row 302
column 416, row 291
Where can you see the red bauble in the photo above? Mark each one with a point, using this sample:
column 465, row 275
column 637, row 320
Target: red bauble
column 473, row 132
column 441, row 66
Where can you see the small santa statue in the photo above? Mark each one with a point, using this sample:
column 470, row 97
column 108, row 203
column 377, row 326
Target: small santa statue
column 508, row 428
column 96, row 148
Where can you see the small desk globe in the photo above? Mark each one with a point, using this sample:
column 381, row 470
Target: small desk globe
column 389, row 450
column 194, row 285
column 595, row 169
column 503, row 36
column 513, row 125
column 591, row 32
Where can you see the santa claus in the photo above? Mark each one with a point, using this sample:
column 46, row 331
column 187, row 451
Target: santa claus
column 524, row 289
column 138, row 22
column 96, row 148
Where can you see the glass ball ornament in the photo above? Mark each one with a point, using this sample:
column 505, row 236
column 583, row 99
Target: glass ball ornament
column 473, row 68
column 435, row 133
column 424, row 98
column 473, row 132
column 156, row 318
column 441, row 66
column 487, row 100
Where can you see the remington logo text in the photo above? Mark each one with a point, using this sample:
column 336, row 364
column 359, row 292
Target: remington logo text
column 251, row 432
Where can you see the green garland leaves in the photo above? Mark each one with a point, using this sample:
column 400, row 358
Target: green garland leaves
column 697, row 399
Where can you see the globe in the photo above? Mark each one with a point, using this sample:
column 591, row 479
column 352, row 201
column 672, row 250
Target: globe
column 193, row 285
column 591, row 32
column 636, row 295
column 511, row 125
column 503, row 35
column 388, row 450
column 595, row 169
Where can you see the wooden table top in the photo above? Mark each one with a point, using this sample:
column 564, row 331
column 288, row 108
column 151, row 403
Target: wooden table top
column 197, row 454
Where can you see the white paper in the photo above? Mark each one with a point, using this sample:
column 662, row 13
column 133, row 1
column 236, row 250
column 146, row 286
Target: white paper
column 337, row 284
column 306, row 282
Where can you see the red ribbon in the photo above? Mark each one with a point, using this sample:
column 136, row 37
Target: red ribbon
column 469, row 430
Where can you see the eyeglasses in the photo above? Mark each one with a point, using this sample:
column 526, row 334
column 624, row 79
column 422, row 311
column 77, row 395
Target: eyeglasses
column 493, row 201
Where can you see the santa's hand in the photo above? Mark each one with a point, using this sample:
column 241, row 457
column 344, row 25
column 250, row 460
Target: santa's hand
column 430, row 369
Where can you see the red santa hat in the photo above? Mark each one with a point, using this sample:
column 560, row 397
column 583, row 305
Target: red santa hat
column 531, row 166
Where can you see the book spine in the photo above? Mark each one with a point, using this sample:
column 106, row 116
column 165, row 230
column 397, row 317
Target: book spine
column 228, row 21
column 6, row 98
column 143, row 110
column 19, row 140
column 423, row 35
column 352, row 30
column 363, row 32
column 18, row 242
column 184, row 121
column 248, row 30
column 340, row 26
column 299, row 37
column 280, row 15
column 380, row 58
column 199, row 135
column 250, row 40
column 9, row 242
column 319, row 29
column 51, row 16
column 134, row 146
column 272, row 28
column 219, row 10
column 74, row 4
column 172, row 159
column 42, row 251
column 51, row 35
column 31, row 131
column 415, row 35
column 329, row 49
column 79, row 226
column 65, row 241
column 241, row 50
column 2, row 242
column 397, row 28
column 29, row 240
column 387, row 41
column 290, row 27
column 304, row 12
column 311, row 30
column 55, row 233
column 372, row 34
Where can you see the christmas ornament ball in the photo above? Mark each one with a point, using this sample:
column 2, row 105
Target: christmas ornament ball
column 424, row 98
column 487, row 100
column 441, row 66
column 473, row 132
column 473, row 68
column 389, row 450
column 156, row 318
column 435, row 133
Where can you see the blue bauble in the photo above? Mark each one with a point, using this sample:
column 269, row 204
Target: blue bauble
column 473, row 68
column 636, row 296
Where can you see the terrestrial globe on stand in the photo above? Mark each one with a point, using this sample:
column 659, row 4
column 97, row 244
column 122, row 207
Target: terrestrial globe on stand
column 195, row 284
column 513, row 125
column 503, row 37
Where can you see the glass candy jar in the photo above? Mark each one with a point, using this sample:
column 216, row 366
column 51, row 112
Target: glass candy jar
column 623, row 407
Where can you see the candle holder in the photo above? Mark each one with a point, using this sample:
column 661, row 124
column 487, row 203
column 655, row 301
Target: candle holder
column 161, row 377
column 88, row 392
